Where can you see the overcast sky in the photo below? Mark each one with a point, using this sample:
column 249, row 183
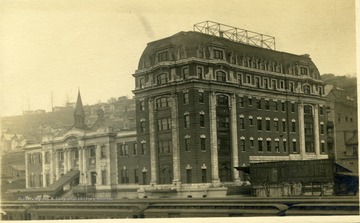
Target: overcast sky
column 60, row 46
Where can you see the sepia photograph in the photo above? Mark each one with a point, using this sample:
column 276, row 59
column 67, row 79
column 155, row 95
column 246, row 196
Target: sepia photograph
column 238, row 110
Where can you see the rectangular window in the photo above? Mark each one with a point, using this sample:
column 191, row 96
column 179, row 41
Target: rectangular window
column 143, row 148
column 142, row 127
column 303, row 71
column 142, row 105
column 258, row 104
column 283, row 106
column 259, row 124
column 250, row 101
column 164, row 147
column 250, row 121
column 164, row 124
column 275, row 105
column 322, row 129
column 142, row 82
column 124, row 176
column 277, row 146
column 267, row 104
column 218, row 54
column 293, row 127
column 242, row 123
column 203, row 176
column 202, row 144
column 92, row 152
column 200, row 72
column 103, row 177
column 185, row 72
column 251, row 143
column 103, row 152
column 241, row 102
column 186, row 98
column 266, row 83
column 40, row 180
column 285, row 146
column 187, row 144
column 321, row 110
column 186, row 121
column 322, row 147
column 242, row 145
column 201, row 97
column 267, row 122
column 47, row 157
column 268, row 146
column 136, row 176
column 144, row 178
column 273, row 83
column 202, row 120
column 260, row 145
column 135, row 151
column 292, row 107
column 188, row 176
column 283, row 126
column 309, row 128
column 163, row 102
column 222, row 122
column 257, row 82
column 276, row 125
column 294, row 147
column 292, row 89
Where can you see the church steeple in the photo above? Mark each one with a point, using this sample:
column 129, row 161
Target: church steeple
column 79, row 113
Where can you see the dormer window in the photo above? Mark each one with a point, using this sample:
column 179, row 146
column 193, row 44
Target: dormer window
column 163, row 56
column 218, row 54
column 303, row 71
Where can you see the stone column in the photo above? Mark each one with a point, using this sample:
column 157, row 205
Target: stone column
column 98, row 164
column 43, row 168
column 57, row 172
column 213, row 141
column 80, row 149
column 153, row 161
column 27, row 170
column 301, row 131
column 234, row 139
column 85, row 169
column 175, row 140
column 108, row 163
column 65, row 160
column 316, row 131
column 52, row 166
column 69, row 160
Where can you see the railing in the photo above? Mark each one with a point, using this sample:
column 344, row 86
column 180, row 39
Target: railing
column 236, row 34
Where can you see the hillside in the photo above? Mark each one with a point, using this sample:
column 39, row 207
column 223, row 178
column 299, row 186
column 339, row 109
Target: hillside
column 349, row 84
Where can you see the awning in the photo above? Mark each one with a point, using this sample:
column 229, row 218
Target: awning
column 245, row 169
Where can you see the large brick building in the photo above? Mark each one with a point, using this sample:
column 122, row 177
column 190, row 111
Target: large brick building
column 205, row 107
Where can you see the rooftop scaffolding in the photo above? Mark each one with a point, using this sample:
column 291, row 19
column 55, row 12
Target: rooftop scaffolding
column 236, row 34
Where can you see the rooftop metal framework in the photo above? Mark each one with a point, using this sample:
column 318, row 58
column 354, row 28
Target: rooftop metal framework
column 236, row 34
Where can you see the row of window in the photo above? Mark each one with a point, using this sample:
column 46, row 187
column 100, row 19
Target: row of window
column 123, row 149
column 256, row 81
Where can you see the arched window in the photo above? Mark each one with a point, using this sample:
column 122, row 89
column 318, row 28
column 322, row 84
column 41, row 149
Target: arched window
column 161, row 79
column 221, row 76
column 163, row 102
column 222, row 100
column 306, row 89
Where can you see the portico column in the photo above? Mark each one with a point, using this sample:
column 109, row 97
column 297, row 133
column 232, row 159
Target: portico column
column 153, row 161
column 65, row 160
column 234, row 139
column 57, row 172
column 85, row 170
column 43, row 168
column 69, row 160
column 213, row 141
column 98, row 164
column 316, row 131
column 175, row 139
column 80, row 149
column 52, row 163
column 301, row 130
